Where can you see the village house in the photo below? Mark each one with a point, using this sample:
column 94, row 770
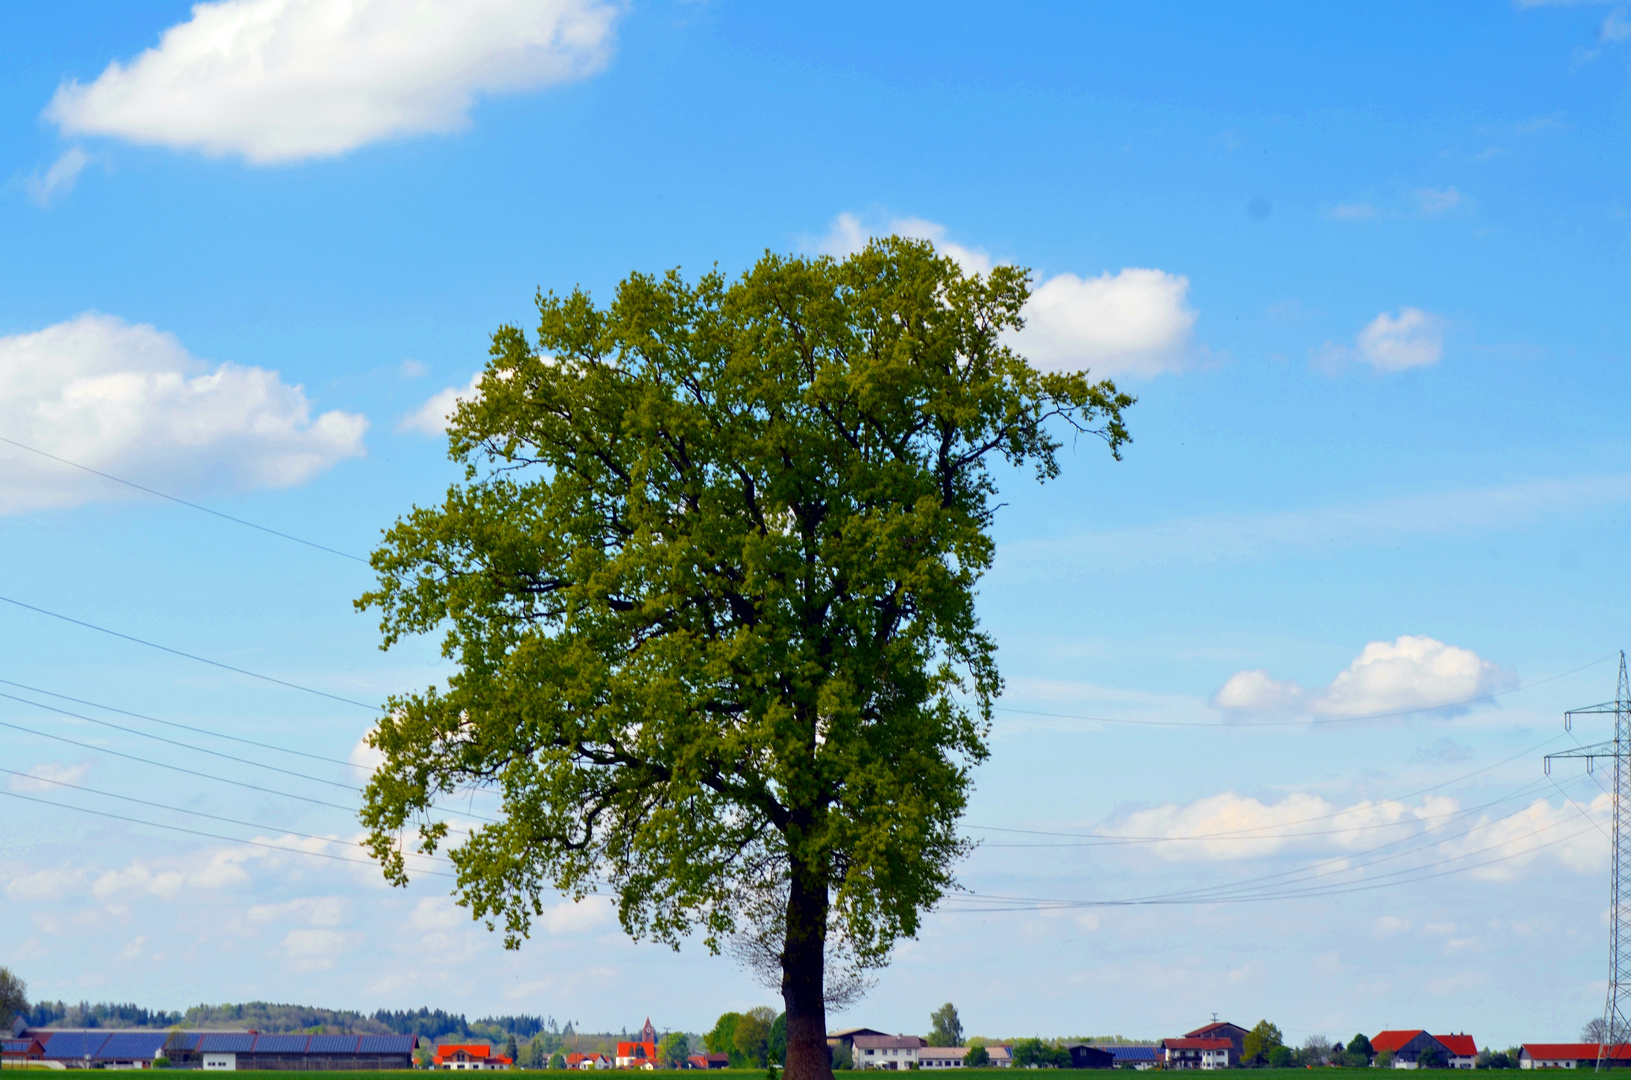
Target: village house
column 708, row 1061
column 1571, row 1056
column 588, row 1061
column 468, row 1056
column 1457, row 1051
column 1223, row 1029
column 887, row 1051
column 1190, row 1053
column 941, row 1057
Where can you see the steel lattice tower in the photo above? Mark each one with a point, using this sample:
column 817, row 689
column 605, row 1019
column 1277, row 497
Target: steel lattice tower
column 1616, row 1029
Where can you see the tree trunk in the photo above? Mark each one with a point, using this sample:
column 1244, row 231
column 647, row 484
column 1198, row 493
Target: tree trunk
column 804, row 975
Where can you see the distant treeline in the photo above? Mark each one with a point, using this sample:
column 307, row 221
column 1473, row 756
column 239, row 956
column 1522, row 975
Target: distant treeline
column 265, row 1016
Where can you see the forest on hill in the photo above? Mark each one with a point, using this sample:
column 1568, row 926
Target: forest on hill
column 270, row 1017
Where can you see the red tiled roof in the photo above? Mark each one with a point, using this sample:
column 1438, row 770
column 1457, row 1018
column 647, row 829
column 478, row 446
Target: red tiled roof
column 1201, row 1032
column 1459, row 1045
column 637, row 1050
column 475, row 1050
column 1392, row 1040
column 1574, row 1051
column 1197, row 1044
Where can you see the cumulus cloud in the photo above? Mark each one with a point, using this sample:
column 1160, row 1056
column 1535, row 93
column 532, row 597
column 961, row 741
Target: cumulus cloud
column 1412, row 338
column 1229, row 827
column 50, row 884
column 312, row 910
column 1413, row 672
column 1434, row 201
column 316, row 950
column 50, row 776
column 285, row 80
column 130, row 400
column 1134, row 322
column 432, row 417
column 57, row 181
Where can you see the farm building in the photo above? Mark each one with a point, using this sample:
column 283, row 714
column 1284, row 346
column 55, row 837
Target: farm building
column 468, row 1056
column 1136, row 1057
column 708, row 1061
column 1458, row 1051
column 1222, row 1029
column 887, row 1051
column 941, row 1057
column 1083, row 1056
column 1570, row 1056
column 213, row 1050
column 1192, row 1053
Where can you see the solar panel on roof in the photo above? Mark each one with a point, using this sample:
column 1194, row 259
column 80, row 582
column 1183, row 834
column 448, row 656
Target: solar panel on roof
column 226, row 1043
column 132, row 1044
column 186, row 1040
column 386, row 1044
column 74, row 1044
column 334, row 1044
column 281, row 1044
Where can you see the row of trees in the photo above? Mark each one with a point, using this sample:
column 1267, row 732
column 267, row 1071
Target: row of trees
column 752, row 1039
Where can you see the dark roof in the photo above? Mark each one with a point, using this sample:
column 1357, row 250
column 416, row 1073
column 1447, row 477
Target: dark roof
column 888, row 1042
column 132, row 1044
column 1210, row 1029
column 334, row 1044
column 1134, row 1053
column 388, row 1044
column 63, row 1045
column 237, row 1042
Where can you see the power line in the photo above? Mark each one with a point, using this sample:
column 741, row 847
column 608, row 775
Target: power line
column 177, row 768
column 1303, row 821
column 210, row 835
column 191, row 656
column 1219, row 893
column 179, row 810
column 174, row 724
column 1304, row 723
column 1195, row 838
column 184, row 502
column 176, row 742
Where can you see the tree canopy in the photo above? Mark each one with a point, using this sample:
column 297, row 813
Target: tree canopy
column 1261, row 1039
column 945, row 1027
column 13, row 998
column 709, row 584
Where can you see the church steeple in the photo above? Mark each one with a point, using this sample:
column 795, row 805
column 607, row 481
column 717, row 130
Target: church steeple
column 648, row 1033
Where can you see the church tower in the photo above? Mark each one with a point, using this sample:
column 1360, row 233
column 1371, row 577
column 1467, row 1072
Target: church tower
column 648, row 1033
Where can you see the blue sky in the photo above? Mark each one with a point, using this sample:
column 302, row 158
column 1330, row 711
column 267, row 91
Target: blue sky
column 1364, row 268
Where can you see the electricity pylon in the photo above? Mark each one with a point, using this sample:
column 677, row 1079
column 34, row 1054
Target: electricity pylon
column 1616, row 1030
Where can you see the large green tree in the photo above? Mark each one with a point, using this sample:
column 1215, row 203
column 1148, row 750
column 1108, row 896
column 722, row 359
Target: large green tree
column 709, row 584
column 13, row 999
column 945, row 1027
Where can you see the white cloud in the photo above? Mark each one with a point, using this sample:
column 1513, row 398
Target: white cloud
column 130, row 400
column 314, row 911
column 1412, row 672
column 1412, row 338
column 437, row 913
column 1229, row 827
column 42, row 885
column 1135, row 322
column 40, row 777
column 1498, row 849
column 1433, row 201
column 569, row 917
column 1359, row 211
column 316, row 950
column 1211, row 537
column 283, row 80
column 432, row 417
column 1616, row 27
column 59, row 179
